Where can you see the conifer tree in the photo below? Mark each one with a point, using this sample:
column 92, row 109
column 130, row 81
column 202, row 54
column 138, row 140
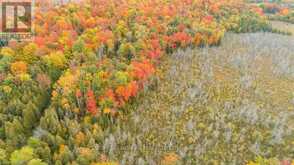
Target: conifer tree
column 22, row 156
column 15, row 134
column 64, row 155
column 36, row 162
column 50, row 121
column 3, row 157
column 29, row 117
column 40, row 148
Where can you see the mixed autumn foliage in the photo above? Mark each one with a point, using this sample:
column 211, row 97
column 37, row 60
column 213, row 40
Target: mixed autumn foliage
column 89, row 61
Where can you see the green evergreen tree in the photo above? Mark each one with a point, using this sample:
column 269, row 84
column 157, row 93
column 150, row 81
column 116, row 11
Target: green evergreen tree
column 15, row 134
column 29, row 117
column 40, row 148
column 22, row 156
column 50, row 122
column 36, row 162
column 3, row 157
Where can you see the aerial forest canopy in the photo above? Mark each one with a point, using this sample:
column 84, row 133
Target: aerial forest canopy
column 65, row 94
